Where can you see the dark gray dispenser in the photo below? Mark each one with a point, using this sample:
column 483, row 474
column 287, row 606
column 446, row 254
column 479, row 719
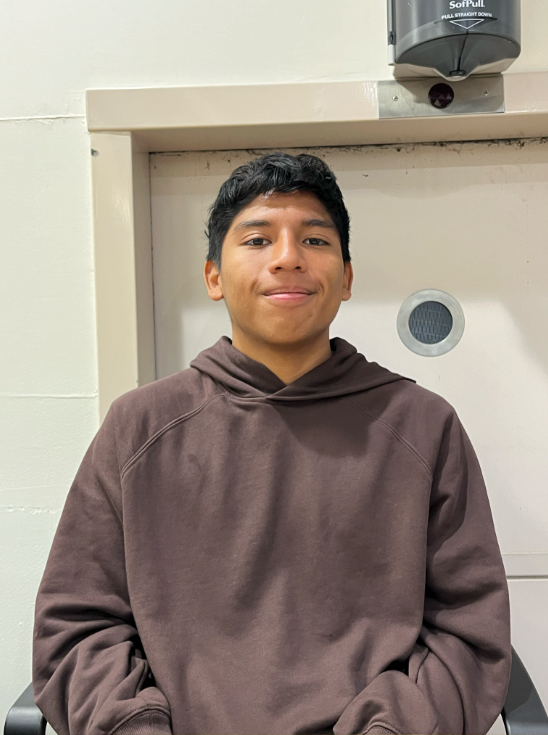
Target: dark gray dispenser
column 454, row 38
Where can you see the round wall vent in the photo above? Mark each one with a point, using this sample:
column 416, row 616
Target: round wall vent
column 430, row 322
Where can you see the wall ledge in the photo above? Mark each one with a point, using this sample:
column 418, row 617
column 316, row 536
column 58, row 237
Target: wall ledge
column 301, row 114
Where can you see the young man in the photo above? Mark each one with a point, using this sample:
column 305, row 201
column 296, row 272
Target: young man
column 285, row 537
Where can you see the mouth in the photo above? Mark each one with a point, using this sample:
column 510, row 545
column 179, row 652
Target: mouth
column 289, row 296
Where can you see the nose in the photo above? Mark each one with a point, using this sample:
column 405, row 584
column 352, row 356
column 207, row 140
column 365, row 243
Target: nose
column 287, row 254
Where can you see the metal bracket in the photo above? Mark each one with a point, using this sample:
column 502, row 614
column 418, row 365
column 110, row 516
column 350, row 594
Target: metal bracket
column 409, row 98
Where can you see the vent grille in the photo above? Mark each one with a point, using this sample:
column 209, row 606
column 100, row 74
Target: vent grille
column 430, row 322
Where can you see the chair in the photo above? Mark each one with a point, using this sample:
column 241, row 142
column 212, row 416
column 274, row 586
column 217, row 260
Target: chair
column 523, row 712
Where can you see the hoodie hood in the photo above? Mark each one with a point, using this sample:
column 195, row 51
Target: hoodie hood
column 345, row 372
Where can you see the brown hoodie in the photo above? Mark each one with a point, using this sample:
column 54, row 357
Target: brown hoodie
column 240, row 556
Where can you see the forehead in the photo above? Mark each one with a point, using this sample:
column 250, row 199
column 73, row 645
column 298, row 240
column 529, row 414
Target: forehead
column 299, row 203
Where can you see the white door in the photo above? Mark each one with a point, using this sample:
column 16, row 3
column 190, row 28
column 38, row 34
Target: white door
column 467, row 219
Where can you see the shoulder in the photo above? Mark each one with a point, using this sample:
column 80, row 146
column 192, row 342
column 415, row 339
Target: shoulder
column 418, row 416
column 142, row 413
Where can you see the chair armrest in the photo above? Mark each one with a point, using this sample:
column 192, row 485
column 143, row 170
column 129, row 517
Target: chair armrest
column 24, row 718
column 523, row 712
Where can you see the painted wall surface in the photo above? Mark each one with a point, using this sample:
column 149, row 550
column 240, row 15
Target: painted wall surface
column 50, row 52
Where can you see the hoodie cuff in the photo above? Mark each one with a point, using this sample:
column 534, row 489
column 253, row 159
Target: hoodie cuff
column 148, row 722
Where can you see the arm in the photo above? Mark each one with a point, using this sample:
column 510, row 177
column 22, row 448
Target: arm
column 458, row 670
column 90, row 672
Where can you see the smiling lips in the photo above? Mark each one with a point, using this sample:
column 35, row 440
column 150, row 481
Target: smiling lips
column 288, row 295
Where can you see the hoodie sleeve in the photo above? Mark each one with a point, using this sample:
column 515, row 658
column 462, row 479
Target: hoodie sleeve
column 90, row 672
column 456, row 677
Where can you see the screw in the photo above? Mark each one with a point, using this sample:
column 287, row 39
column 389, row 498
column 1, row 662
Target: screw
column 395, row 98
column 486, row 93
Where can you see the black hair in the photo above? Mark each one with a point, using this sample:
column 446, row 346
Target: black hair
column 276, row 173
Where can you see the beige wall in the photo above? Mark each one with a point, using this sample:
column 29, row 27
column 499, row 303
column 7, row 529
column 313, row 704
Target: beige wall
column 50, row 52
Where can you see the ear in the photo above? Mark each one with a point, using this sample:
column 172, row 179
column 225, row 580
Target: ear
column 212, row 278
column 347, row 281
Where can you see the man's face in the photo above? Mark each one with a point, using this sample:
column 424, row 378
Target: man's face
column 282, row 273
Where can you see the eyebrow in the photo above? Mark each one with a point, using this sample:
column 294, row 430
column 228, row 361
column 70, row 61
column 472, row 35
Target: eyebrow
column 250, row 223
column 319, row 223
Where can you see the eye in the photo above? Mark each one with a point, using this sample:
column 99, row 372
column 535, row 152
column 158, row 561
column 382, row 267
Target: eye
column 256, row 241
column 316, row 241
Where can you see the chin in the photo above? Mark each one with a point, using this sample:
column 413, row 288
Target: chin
column 290, row 336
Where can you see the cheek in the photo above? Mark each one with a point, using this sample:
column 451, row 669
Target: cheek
column 238, row 284
column 333, row 280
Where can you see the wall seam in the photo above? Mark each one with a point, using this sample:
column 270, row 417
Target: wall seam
column 49, row 395
column 42, row 117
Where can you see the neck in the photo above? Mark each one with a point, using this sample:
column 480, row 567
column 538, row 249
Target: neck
column 287, row 361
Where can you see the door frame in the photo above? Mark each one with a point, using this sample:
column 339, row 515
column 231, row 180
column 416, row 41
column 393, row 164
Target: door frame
column 128, row 124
